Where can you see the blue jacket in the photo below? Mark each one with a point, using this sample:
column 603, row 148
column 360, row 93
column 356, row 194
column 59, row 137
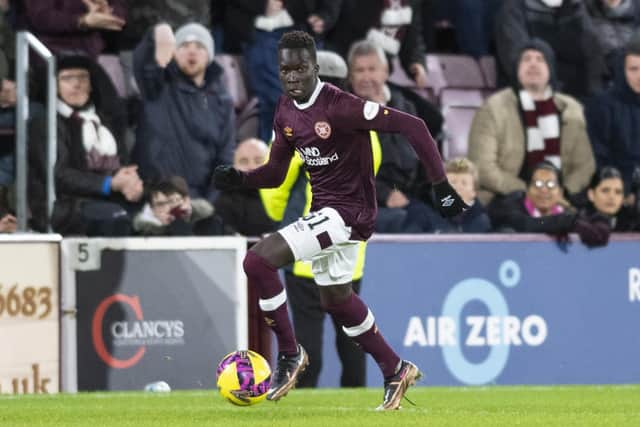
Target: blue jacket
column 183, row 129
column 613, row 123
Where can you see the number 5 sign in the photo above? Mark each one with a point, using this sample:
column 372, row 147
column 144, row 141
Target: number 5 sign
column 86, row 254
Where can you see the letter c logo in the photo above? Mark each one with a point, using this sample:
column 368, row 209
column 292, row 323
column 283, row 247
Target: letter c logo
column 98, row 339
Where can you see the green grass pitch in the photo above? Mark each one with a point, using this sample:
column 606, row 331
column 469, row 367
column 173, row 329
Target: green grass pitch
column 435, row 406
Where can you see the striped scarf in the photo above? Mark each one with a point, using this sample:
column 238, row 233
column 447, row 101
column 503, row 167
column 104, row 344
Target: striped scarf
column 542, row 123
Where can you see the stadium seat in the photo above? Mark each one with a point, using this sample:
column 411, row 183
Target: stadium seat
column 234, row 79
column 457, row 123
column 454, row 71
column 452, row 97
column 400, row 78
column 112, row 66
column 488, row 67
column 246, row 107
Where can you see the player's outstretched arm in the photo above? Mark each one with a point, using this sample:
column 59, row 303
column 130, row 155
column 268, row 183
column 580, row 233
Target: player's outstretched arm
column 269, row 175
column 355, row 112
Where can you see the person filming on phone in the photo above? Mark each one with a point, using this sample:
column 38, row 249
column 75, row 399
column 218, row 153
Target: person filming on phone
column 169, row 211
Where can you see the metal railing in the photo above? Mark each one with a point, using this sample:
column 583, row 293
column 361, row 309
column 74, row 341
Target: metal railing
column 24, row 40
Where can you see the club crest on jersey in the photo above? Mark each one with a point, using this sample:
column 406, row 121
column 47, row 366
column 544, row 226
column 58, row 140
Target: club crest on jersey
column 323, row 130
column 288, row 132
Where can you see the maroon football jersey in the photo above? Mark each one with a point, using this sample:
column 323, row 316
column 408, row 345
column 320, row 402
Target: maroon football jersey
column 331, row 133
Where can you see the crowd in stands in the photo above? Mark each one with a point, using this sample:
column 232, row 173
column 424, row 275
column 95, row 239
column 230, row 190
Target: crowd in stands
column 535, row 105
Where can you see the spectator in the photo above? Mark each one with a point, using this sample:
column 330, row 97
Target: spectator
column 539, row 210
column 567, row 27
column 7, row 220
column 395, row 26
column 463, row 176
column 187, row 120
column 170, row 211
column 8, row 99
column 520, row 126
column 7, row 223
column 242, row 210
column 95, row 186
column 142, row 15
column 77, row 25
column 472, row 21
column 613, row 118
column 606, row 195
column 254, row 28
column 614, row 22
column 399, row 208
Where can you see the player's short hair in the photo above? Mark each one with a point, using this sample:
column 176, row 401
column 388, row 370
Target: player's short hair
column 365, row 48
column 462, row 165
column 298, row 40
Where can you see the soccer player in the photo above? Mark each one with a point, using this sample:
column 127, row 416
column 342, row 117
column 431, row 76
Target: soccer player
column 330, row 130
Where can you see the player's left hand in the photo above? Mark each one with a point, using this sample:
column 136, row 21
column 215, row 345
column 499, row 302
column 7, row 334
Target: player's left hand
column 226, row 178
column 448, row 201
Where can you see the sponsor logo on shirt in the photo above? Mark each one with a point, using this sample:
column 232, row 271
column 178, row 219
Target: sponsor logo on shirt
column 312, row 157
column 323, row 129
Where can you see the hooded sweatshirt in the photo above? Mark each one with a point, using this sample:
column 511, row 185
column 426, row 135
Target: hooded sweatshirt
column 613, row 123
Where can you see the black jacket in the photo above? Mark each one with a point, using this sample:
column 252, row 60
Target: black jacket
column 74, row 182
column 568, row 30
column 358, row 16
column 236, row 17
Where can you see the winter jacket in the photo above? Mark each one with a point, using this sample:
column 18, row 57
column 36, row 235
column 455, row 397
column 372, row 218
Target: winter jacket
column 497, row 145
column 237, row 17
column 244, row 212
column 569, row 31
column 614, row 27
column 184, row 129
column 144, row 14
column 74, row 182
column 473, row 220
column 508, row 213
column 55, row 23
column 613, row 120
column 358, row 16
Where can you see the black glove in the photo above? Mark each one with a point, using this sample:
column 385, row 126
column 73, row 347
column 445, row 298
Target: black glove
column 593, row 231
column 448, row 201
column 226, row 177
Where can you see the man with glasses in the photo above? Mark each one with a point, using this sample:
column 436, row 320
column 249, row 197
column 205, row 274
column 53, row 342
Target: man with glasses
column 96, row 187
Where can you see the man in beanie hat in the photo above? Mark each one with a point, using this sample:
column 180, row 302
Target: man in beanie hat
column 521, row 126
column 187, row 124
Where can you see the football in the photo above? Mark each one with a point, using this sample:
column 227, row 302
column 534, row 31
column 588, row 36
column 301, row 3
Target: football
column 243, row 377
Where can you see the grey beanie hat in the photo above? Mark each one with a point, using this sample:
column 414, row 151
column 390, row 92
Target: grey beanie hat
column 331, row 64
column 195, row 32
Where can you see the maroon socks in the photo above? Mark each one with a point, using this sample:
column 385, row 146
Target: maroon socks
column 273, row 300
column 359, row 324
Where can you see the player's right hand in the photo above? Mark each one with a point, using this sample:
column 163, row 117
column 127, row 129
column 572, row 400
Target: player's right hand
column 227, row 177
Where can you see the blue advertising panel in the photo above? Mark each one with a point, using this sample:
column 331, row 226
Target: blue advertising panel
column 505, row 312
